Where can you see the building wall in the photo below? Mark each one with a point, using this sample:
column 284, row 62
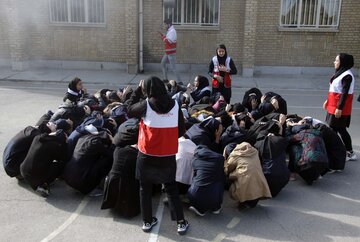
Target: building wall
column 195, row 46
column 4, row 37
column 308, row 49
column 117, row 42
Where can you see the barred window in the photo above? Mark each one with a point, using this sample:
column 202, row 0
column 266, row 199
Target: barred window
column 310, row 13
column 194, row 12
column 77, row 11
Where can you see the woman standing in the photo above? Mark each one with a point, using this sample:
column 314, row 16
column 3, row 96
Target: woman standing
column 221, row 68
column 340, row 98
column 162, row 123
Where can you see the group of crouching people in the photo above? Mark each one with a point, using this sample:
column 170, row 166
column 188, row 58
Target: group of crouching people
column 92, row 141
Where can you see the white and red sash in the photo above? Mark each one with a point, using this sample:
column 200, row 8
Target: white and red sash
column 158, row 133
column 335, row 92
column 227, row 78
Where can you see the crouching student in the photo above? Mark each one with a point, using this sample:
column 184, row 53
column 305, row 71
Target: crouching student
column 90, row 162
column 207, row 188
column 200, row 89
column 244, row 170
column 162, row 123
column 18, row 147
column 121, row 190
column 45, row 161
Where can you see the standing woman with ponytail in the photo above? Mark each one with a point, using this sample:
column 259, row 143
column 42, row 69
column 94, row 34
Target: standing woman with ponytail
column 221, row 68
column 340, row 99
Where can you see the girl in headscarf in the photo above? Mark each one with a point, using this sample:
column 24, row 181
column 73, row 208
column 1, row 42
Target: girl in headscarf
column 75, row 91
column 200, row 89
column 162, row 123
column 221, row 68
column 339, row 102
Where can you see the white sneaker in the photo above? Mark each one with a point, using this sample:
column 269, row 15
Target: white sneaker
column 218, row 211
column 148, row 226
column 193, row 209
column 351, row 156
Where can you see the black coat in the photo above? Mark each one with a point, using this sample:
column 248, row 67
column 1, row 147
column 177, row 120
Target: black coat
column 272, row 152
column 90, row 162
column 208, row 167
column 17, row 149
column 44, row 161
column 121, row 190
column 335, row 148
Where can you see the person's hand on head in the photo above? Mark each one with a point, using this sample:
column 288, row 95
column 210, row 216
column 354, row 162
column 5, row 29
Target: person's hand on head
column 113, row 122
column 282, row 119
column 263, row 98
column 172, row 83
column 190, row 87
column 51, row 126
column 97, row 95
column 275, row 103
column 87, row 110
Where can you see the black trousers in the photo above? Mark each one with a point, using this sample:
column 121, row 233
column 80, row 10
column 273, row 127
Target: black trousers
column 345, row 136
column 172, row 193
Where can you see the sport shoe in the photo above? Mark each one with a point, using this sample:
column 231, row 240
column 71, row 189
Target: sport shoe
column 193, row 209
column 351, row 156
column 43, row 190
column 217, row 211
column 147, row 227
column 182, row 227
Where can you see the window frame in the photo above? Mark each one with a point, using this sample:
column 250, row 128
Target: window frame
column 77, row 24
column 197, row 26
column 317, row 27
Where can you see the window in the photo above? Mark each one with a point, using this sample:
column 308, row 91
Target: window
column 310, row 13
column 194, row 12
column 77, row 11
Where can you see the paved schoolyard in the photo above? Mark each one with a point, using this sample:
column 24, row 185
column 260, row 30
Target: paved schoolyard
column 327, row 211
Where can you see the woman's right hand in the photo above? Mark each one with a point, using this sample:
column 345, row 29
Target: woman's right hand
column 325, row 105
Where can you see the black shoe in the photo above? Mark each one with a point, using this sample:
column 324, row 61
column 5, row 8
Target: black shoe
column 147, row 227
column 182, row 227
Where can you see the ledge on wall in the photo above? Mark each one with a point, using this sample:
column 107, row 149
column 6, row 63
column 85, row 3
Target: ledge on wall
column 308, row 29
column 295, row 70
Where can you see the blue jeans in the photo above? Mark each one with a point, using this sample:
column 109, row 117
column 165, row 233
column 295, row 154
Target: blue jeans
column 172, row 61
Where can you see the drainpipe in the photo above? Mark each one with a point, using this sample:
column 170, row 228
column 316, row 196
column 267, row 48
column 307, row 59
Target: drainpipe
column 141, row 36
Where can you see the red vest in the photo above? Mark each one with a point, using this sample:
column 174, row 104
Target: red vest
column 158, row 133
column 335, row 93
column 227, row 78
column 170, row 41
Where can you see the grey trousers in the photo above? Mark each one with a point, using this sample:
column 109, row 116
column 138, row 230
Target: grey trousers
column 172, row 61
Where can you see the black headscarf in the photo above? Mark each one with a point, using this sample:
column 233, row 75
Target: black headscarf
column 210, row 125
column 222, row 60
column 158, row 96
column 73, row 84
column 346, row 63
column 203, row 82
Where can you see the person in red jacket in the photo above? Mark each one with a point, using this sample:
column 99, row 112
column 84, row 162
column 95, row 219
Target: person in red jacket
column 169, row 40
column 340, row 98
